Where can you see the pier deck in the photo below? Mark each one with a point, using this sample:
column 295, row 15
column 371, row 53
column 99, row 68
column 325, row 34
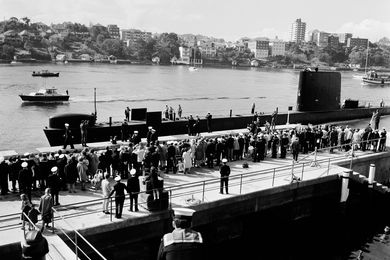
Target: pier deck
column 90, row 214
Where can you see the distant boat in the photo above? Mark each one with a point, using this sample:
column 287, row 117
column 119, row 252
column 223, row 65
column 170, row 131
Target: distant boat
column 14, row 62
column 192, row 68
column 45, row 73
column 374, row 79
column 47, row 95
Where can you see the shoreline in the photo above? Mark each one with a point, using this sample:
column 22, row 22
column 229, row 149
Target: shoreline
column 205, row 65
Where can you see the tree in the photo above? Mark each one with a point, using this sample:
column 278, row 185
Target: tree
column 26, row 21
column 8, row 51
column 113, row 47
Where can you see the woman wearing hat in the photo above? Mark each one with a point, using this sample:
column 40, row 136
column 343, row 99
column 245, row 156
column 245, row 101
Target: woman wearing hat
column 119, row 190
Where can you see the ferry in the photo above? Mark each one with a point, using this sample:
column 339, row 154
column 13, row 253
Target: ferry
column 47, row 95
column 45, row 73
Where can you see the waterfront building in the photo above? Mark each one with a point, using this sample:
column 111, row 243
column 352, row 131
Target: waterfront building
column 357, row 42
column 208, row 49
column 113, row 30
column 260, row 48
column 278, row 47
column 185, row 55
column 298, row 31
column 130, row 36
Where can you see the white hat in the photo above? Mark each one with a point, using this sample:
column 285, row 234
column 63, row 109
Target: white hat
column 1, row 159
column 133, row 171
column 135, row 132
column 61, row 156
column 26, row 154
column 183, row 212
column 149, row 127
column 66, row 124
column 224, row 160
column 117, row 178
column 54, row 169
column 24, row 164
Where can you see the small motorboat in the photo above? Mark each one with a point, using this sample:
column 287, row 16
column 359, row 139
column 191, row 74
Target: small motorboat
column 45, row 73
column 48, row 95
column 374, row 78
column 192, row 68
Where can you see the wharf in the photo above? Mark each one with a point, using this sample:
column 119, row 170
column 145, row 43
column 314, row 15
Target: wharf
column 88, row 214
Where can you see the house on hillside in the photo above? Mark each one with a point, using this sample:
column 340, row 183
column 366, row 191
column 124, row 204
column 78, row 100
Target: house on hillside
column 85, row 57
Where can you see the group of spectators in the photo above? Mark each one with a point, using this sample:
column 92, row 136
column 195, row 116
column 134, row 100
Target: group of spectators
column 258, row 143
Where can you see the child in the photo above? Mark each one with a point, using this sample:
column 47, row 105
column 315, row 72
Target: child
column 26, row 206
column 180, row 165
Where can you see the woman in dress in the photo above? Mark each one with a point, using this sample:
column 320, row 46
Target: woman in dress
column 26, row 206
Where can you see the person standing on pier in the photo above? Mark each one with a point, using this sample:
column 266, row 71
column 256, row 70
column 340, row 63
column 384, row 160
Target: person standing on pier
column 119, row 190
column 68, row 137
column 135, row 139
column 25, row 180
column 182, row 242
column 208, row 119
column 54, row 183
column 253, row 108
column 127, row 114
column 295, row 147
column 225, row 172
column 45, row 207
column 106, row 190
column 179, row 111
column 133, row 189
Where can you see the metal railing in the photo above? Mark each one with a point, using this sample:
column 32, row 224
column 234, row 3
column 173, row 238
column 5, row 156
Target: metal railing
column 77, row 239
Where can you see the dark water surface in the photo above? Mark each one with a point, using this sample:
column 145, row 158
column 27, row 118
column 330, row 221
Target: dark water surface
column 209, row 89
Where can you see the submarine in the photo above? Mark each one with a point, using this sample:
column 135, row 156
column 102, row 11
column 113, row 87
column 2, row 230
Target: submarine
column 318, row 102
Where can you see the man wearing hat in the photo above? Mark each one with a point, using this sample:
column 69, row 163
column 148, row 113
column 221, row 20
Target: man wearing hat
column 225, row 172
column 133, row 189
column 382, row 142
column 182, row 242
column 135, row 139
column 119, row 189
column 25, row 180
column 54, row 183
column 68, row 137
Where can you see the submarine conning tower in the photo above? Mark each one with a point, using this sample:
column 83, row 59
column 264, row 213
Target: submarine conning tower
column 318, row 91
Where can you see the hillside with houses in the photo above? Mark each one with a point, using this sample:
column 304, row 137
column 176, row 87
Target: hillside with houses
column 23, row 40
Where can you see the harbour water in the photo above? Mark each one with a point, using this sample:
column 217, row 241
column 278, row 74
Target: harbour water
column 216, row 90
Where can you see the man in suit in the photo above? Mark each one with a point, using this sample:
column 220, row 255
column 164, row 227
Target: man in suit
column 133, row 189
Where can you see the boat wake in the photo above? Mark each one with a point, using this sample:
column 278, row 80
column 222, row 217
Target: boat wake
column 113, row 99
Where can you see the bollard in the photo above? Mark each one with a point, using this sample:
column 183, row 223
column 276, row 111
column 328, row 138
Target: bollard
column 344, row 185
column 371, row 175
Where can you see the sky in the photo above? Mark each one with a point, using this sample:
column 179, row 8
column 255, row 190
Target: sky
column 226, row 19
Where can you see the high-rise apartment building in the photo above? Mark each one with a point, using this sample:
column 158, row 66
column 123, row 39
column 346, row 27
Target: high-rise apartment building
column 298, row 31
column 113, row 30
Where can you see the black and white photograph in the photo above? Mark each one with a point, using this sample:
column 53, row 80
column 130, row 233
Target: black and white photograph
column 183, row 129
